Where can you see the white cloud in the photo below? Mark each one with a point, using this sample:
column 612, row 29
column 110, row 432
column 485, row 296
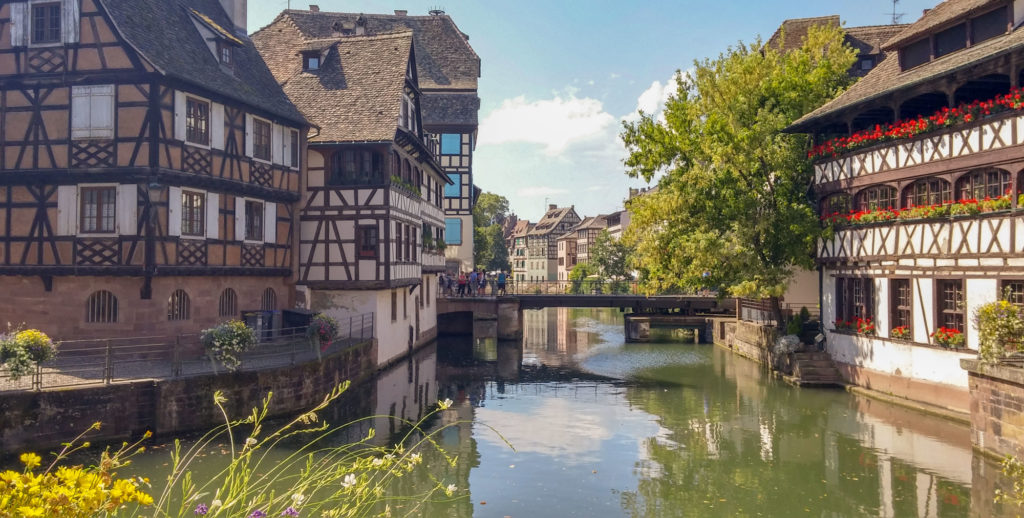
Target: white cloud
column 536, row 192
column 613, row 75
column 652, row 100
column 555, row 123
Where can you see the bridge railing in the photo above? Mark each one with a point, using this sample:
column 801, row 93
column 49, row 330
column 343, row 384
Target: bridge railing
column 585, row 287
column 761, row 311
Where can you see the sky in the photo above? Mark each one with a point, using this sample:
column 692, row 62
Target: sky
column 558, row 78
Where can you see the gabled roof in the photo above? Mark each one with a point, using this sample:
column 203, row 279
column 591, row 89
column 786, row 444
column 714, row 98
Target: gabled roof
column 164, row 33
column 356, row 94
column 550, row 221
column 522, row 227
column 445, row 60
column 887, row 77
column 599, row 222
column 867, row 40
column 939, row 15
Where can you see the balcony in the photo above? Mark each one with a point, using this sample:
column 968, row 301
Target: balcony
column 1002, row 131
column 433, row 260
column 989, row 239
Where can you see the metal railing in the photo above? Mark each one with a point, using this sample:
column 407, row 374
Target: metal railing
column 112, row 360
column 585, row 287
column 762, row 312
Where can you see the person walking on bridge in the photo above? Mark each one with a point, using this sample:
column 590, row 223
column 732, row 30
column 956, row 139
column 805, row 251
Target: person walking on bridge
column 472, row 283
column 501, row 283
column 462, row 284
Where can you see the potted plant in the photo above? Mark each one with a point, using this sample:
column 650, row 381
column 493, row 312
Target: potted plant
column 900, row 333
column 322, row 330
column 865, row 326
column 950, row 337
column 226, row 342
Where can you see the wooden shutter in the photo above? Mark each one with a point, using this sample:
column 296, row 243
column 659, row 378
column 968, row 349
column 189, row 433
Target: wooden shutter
column 270, row 222
column 179, row 115
column 276, row 144
column 212, row 215
column 81, row 106
column 286, row 146
column 217, row 126
column 248, row 135
column 21, row 25
column 69, row 21
column 174, row 211
column 239, row 219
column 127, row 209
column 67, row 210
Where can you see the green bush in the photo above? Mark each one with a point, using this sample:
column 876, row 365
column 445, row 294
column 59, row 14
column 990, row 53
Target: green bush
column 22, row 350
column 795, row 326
column 227, row 341
column 1000, row 330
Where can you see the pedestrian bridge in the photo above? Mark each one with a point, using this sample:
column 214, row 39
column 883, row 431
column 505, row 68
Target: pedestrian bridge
column 454, row 312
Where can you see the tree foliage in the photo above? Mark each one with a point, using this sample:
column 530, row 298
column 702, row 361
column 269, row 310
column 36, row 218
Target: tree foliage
column 489, row 251
column 734, row 198
column 610, row 257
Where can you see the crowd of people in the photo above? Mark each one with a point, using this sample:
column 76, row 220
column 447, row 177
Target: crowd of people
column 473, row 284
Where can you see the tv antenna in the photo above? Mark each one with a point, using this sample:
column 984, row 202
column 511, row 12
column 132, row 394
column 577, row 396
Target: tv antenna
column 896, row 16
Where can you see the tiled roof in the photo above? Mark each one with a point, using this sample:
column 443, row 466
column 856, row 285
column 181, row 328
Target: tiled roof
column 941, row 14
column 867, row 40
column 550, row 221
column 444, row 58
column 164, row 33
column 887, row 77
column 521, row 228
column 356, row 94
column 437, row 109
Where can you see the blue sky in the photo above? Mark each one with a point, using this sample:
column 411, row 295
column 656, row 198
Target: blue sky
column 559, row 76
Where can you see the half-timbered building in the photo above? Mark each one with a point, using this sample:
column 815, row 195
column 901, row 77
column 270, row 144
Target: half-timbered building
column 149, row 164
column 517, row 254
column 542, row 242
column 928, row 221
column 372, row 217
column 447, row 69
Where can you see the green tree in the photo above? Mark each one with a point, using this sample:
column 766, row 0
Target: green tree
column 610, row 257
column 489, row 251
column 582, row 278
column 734, row 200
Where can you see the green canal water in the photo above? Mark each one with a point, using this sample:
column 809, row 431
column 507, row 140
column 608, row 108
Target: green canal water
column 607, row 429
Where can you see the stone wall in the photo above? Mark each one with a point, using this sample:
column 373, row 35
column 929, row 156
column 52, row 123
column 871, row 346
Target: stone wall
column 997, row 407
column 46, row 419
column 754, row 341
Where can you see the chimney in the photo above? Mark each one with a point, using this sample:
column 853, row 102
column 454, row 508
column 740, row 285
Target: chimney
column 236, row 12
column 552, row 206
column 401, row 12
column 314, row 8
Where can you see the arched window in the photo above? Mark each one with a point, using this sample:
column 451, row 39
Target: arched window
column 406, row 171
column 879, row 197
column 988, row 183
column 178, row 306
column 269, row 302
column 101, row 308
column 836, row 204
column 927, row 191
column 396, row 164
column 228, row 304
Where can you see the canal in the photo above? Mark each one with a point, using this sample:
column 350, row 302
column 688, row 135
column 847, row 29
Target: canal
column 601, row 428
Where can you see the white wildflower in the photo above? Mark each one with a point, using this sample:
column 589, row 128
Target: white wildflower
column 444, row 405
column 297, row 499
column 416, row 458
column 250, row 442
column 378, row 462
column 349, row 480
column 450, row 489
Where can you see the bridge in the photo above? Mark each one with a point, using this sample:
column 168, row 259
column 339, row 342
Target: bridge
column 678, row 310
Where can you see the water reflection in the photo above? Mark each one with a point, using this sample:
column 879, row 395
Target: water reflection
column 602, row 428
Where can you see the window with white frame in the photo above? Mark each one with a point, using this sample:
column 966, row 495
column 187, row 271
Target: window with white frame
column 44, row 23
column 193, row 213
column 98, row 215
column 261, row 139
column 197, row 121
column 92, row 112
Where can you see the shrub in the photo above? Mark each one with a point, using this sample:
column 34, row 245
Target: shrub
column 794, row 326
column 805, row 315
column 1000, row 330
column 225, row 342
column 22, row 350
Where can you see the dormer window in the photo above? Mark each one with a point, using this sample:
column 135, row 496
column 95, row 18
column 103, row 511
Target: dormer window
column 951, row 40
column 224, row 52
column 957, row 37
column 989, row 25
column 310, row 61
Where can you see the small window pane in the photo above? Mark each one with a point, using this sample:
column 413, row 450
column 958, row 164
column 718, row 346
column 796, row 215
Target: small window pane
column 253, row 221
column 46, row 23
column 227, row 306
column 193, row 214
column 269, row 302
column 101, row 308
column 98, row 210
column 178, row 306
column 451, row 144
column 197, row 122
column 261, row 139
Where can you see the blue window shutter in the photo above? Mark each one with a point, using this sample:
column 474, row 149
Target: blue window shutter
column 453, row 231
column 451, row 144
column 455, row 190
